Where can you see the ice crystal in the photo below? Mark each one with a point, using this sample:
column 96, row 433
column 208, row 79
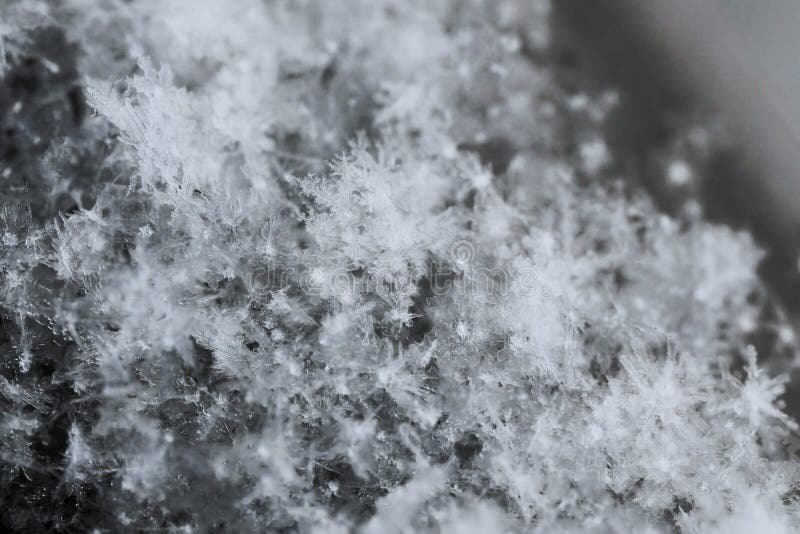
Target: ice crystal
column 339, row 266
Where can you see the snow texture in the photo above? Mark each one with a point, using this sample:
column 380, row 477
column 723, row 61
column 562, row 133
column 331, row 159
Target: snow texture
column 360, row 266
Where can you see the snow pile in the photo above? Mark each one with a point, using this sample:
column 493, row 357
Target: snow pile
column 339, row 266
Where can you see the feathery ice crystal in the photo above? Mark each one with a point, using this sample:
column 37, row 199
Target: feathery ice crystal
column 357, row 265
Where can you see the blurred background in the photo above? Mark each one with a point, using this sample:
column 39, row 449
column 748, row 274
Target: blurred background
column 728, row 58
column 732, row 66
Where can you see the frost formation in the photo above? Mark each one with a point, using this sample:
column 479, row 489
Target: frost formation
column 358, row 266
